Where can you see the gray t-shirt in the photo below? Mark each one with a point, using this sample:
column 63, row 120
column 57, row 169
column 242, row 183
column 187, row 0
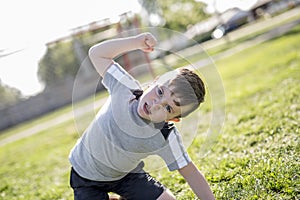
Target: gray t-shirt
column 118, row 139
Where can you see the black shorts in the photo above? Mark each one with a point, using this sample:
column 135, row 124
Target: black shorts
column 132, row 186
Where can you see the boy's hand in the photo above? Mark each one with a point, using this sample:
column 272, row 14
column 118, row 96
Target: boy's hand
column 147, row 42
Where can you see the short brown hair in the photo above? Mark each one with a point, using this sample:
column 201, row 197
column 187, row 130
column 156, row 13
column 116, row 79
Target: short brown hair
column 189, row 88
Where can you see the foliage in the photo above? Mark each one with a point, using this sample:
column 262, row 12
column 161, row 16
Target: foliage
column 256, row 157
column 8, row 95
column 178, row 15
column 58, row 63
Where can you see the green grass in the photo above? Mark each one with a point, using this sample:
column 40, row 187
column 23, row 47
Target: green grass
column 37, row 167
column 255, row 157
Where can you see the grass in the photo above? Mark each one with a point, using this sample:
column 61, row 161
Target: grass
column 255, row 157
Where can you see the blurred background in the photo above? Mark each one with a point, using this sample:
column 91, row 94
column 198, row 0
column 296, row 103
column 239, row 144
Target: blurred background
column 43, row 44
column 247, row 51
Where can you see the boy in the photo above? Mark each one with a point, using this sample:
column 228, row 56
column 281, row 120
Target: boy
column 133, row 125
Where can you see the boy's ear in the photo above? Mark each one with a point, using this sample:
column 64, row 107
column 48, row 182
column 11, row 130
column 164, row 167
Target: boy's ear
column 176, row 119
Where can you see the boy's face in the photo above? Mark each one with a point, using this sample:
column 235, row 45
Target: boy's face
column 158, row 103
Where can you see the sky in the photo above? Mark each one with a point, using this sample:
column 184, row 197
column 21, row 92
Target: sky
column 28, row 25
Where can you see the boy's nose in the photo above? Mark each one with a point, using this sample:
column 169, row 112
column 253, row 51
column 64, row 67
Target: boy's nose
column 160, row 101
column 155, row 101
column 157, row 106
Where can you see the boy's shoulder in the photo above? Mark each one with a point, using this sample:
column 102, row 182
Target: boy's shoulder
column 117, row 74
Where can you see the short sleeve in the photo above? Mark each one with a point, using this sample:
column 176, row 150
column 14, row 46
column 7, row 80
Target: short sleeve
column 117, row 76
column 175, row 154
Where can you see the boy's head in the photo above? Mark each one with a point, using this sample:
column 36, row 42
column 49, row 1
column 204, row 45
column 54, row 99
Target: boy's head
column 172, row 96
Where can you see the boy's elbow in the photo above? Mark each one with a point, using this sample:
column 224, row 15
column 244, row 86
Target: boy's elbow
column 100, row 63
column 98, row 52
column 92, row 52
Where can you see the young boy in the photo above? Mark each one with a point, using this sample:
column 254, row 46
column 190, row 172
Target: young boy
column 132, row 125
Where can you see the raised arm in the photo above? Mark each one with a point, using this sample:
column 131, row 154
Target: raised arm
column 197, row 182
column 102, row 54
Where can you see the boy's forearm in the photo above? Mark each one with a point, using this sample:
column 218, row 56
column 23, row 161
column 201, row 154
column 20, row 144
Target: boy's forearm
column 111, row 48
column 102, row 54
column 197, row 182
column 200, row 187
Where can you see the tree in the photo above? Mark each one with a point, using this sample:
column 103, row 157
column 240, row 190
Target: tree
column 177, row 14
column 8, row 95
column 58, row 63
column 61, row 61
column 153, row 11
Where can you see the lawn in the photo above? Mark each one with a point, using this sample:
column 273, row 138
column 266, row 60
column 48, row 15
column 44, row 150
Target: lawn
column 256, row 156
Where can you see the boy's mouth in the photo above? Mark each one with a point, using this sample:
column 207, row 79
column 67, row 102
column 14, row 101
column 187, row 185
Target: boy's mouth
column 146, row 109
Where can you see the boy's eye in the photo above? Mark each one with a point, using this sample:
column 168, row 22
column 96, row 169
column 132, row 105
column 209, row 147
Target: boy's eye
column 168, row 108
column 160, row 92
